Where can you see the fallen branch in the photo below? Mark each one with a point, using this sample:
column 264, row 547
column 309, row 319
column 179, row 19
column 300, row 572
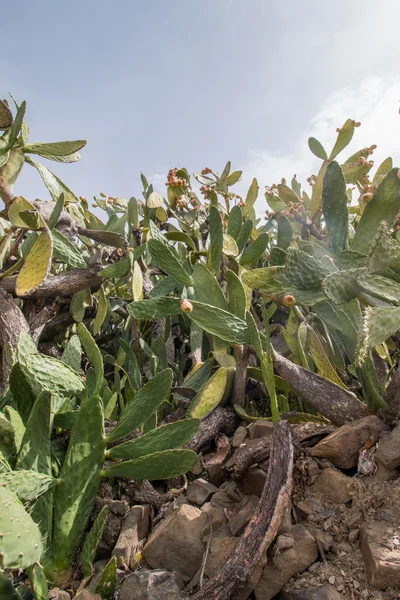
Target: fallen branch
column 65, row 284
column 221, row 420
column 12, row 323
column 249, row 453
column 334, row 402
column 263, row 527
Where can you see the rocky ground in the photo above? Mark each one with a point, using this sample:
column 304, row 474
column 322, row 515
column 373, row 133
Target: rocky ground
column 339, row 539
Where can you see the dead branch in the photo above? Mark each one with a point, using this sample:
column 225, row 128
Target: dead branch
column 249, row 453
column 263, row 527
column 221, row 420
column 65, row 284
column 334, row 402
column 12, row 323
column 242, row 354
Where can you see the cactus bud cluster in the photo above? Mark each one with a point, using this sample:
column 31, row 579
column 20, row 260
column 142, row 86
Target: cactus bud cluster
column 173, row 180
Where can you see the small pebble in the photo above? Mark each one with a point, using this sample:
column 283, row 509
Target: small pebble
column 356, row 584
column 314, row 567
column 332, row 580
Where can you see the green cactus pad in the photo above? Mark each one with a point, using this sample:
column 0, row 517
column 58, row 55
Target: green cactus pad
column 209, row 396
column 148, row 399
column 334, row 206
column 384, row 251
column 255, row 251
column 384, row 206
column 303, row 270
column 341, row 287
column 92, row 541
column 164, row 258
column 20, row 539
column 166, row 437
column 108, row 582
column 380, row 287
column 219, row 322
column 79, row 482
column 27, row 485
column 155, row 308
column 378, row 324
column 206, row 287
column 244, row 234
column 159, row 465
column 216, row 240
column 236, row 295
column 235, row 222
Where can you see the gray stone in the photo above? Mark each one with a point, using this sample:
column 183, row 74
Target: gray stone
column 134, row 529
column 323, row 537
column 151, row 585
column 200, row 491
column 175, row 505
column 176, row 545
column 389, row 450
column 381, row 554
column 238, row 522
column 216, row 514
column 253, row 481
column 285, row 526
column 332, row 485
column 324, row 592
column 260, row 429
column 286, row 564
column 343, row 445
column 239, row 437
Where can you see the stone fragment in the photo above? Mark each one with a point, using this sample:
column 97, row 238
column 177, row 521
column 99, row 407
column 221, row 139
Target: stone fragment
column 215, row 463
column 324, row 592
column 285, row 526
column 389, row 450
column 200, row 491
column 239, row 437
column 311, row 505
column 238, row 522
column 151, row 585
column 86, row 595
column 323, row 537
column 134, row 529
column 175, row 505
column 332, row 485
column 253, row 481
column 343, row 445
column 198, row 466
column 286, row 564
column 260, row 429
column 381, row 555
column 118, row 512
column 176, row 545
column 227, row 496
column 216, row 514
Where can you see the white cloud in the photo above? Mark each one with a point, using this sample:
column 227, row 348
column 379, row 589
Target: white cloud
column 374, row 102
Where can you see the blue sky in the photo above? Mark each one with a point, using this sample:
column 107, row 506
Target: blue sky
column 162, row 83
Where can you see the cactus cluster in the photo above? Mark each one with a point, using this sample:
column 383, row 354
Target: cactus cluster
column 156, row 305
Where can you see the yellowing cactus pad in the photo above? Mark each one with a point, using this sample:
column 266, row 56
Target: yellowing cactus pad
column 36, row 266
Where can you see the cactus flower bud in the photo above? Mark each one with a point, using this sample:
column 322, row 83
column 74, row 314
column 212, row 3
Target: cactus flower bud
column 103, row 195
column 288, row 300
column 186, row 306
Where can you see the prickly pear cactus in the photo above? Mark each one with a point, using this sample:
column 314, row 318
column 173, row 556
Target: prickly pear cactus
column 303, row 270
column 20, row 539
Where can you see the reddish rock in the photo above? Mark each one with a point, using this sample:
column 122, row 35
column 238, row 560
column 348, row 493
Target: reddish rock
column 176, row 544
column 260, row 429
column 134, row 529
column 333, row 486
column 343, row 445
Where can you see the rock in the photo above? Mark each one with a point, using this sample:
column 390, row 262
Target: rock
column 311, row 505
column 200, row 491
column 175, row 505
column 151, row 585
column 118, row 512
column 227, row 496
column 239, row 437
column 238, row 522
column 323, row 537
column 286, row 564
column 324, row 592
column 285, row 526
column 382, row 473
column 260, row 429
column 57, row 594
column 86, row 595
column 389, row 450
column 134, row 529
column 345, row 547
column 216, row 514
column 176, row 545
column 381, row 556
column 215, row 463
column 343, row 445
column 198, row 466
column 332, row 485
column 253, row 481
column 385, row 514
column 220, row 551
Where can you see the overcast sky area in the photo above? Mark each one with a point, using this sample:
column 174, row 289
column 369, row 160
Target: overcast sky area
column 162, row 83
